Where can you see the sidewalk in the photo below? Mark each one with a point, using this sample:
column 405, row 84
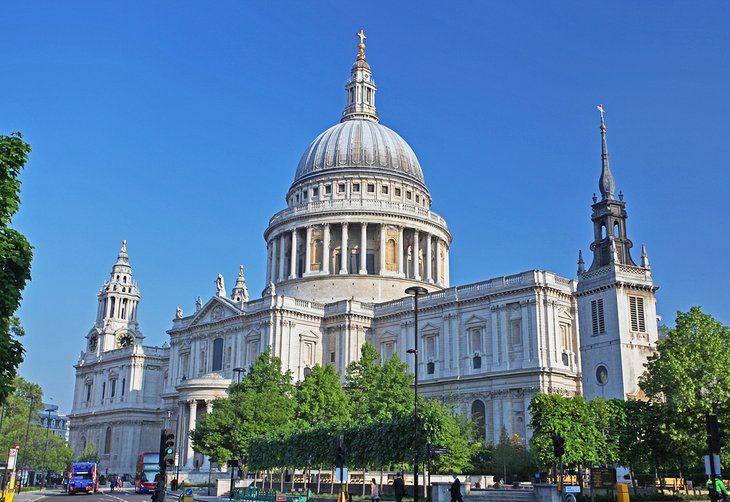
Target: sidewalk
column 34, row 495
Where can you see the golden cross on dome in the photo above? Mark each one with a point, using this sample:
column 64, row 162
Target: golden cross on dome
column 362, row 36
column 600, row 109
column 124, row 246
column 361, row 45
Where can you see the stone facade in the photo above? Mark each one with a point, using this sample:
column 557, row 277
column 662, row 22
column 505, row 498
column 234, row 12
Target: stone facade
column 358, row 229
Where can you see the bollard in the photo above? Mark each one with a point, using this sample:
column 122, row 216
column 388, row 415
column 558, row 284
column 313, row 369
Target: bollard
column 623, row 492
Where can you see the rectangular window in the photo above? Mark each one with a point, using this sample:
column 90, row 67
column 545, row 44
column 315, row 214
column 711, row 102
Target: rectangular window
column 418, row 198
column 475, row 338
column 388, row 350
column 636, row 306
column 371, row 188
column 327, row 189
column 356, row 187
column 103, row 390
column 304, row 194
column 408, row 194
column 515, row 332
column 332, row 357
column 384, row 189
column 430, row 347
column 341, row 188
column 88, row 392
column 397, row 192
column 599, row 324
column 124, row 384
column 114, row 388
column 315, row 191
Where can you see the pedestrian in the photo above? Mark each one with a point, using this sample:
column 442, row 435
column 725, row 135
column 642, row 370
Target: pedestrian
column 720, row 488
column 399, row 487
column 173, row 484
column 456, row 489
column 374, row 491
column 119, row 483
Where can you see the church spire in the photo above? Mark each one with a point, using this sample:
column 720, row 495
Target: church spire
column 240, row 291
column 360, row 88
column 606, row 183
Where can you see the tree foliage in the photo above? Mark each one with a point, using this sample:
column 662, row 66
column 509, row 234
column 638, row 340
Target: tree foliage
column 89, row 453
column 261, row 403
column 16, row 254
column 511, row 459
column 43, row 449
column 378, row 391
column 320, row 397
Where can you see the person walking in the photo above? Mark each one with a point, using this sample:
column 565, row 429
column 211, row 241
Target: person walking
column 399, row 487
column 374, row 491
column 112, row 483
column 720, row 488
column 456, row 489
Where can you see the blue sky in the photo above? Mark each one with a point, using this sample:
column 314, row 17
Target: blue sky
column 178, row 126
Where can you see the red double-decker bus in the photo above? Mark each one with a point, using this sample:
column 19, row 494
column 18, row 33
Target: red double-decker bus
column 148, row 466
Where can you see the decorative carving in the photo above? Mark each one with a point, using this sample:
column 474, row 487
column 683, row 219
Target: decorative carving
column 178, row 313
column 220, row 286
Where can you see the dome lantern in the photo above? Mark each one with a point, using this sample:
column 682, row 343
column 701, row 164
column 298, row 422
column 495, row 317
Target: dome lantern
column 360, row 89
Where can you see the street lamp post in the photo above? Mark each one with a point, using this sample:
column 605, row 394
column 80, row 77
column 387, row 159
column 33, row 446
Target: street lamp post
column 49, row 409
column 27, row 432
column 238, row 372
column 415, row 291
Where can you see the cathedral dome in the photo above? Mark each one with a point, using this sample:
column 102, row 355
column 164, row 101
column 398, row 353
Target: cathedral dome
column 359, row 143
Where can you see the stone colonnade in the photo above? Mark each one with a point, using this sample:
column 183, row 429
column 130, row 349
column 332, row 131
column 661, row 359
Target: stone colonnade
column 316, row 250
column 187, row 418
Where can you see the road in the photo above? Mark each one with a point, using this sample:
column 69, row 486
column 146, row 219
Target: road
column 104, row 495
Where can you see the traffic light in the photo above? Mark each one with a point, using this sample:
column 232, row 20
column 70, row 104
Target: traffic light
column 167, row 448
column 558, row 445
column 713, row 428
column 340, row 451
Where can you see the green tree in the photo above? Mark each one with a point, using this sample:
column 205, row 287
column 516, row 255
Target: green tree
column 263, row 402
column 610, row 419
column 690, row 367
column 321, row 398
column 572, row 418
column 378, row 391
column 511, row 460
column 41, row 448
column 15, row 259
column 443, row 426
column 89, row 453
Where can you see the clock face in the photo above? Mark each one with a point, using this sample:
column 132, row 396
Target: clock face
column 93, row 342
column 125, row 340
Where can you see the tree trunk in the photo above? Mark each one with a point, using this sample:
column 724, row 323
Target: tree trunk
column 332, row 482
column 319, row 478
column 281, row 481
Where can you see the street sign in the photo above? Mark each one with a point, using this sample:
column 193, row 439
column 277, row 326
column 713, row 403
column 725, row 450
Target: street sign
column 602, row 477
column 572, row 489
column 12, row 456
column 232, row 463
column 438, row 450
column 281, row 497
column 718, row 469
column 188, row 491
column 341, row 475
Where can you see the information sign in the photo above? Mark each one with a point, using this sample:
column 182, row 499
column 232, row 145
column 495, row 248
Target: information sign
column 602, row 477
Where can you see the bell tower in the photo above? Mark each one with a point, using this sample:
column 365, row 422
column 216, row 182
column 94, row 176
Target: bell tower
column 616, row 303
column 116, row 323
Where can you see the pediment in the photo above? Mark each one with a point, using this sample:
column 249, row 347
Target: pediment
column 564, row 313
column 429, row 328
column 309, row 336
column 475, row 320
column 215, row 310
column 388, row 336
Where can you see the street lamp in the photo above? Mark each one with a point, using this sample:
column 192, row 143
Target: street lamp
column 238, row 372
column 27, row 431
column 49, row 409
column 415, row 291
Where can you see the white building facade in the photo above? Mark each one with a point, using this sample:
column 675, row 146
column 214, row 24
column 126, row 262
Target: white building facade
column 357, row 230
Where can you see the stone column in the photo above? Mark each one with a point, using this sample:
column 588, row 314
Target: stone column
column 381, row 253
column 308, row 252
column 179, row 445
column 193, row 405
column 525, row 328
column 437, row 272
column 282, row 257
column 206, row 460
column 363, row 248
column 495, row 338
column 504, row 335
column 326, row 255
column 293, row 256
column 268, row 262
column 273, row 272
column 344, row 252
column 416, row 256
column 429, row 276
column 400, row 251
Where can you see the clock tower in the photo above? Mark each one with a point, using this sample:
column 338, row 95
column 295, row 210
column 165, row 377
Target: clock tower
column 116, row 323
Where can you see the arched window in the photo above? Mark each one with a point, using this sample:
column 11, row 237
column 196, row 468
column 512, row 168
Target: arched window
column 603, row 231
column 316, row 251
column 108, row 440
column 615, row 228
column 479, row 418
column 111, row 307
column 217, row 354
column 83, row 442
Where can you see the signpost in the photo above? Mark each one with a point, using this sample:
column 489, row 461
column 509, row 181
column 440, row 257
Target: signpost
column 602, row 477
column 9, row 489
column 187, row 495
